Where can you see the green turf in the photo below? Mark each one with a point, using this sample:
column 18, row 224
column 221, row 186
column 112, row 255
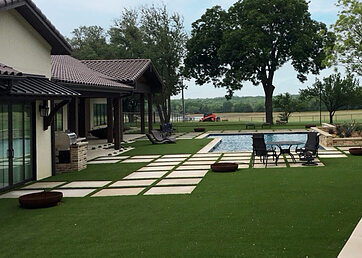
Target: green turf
column 286, row 212
column 99, row 172
column 181, row 146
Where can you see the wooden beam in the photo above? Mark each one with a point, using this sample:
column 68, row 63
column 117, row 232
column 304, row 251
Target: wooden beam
column 150, row 120
column 142, row 110
column 109, row 120
column 121, row 119
column 48, row 120
column 117, row 123
column 81, row 117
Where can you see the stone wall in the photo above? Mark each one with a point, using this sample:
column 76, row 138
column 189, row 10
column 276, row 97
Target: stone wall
column 78, row 159
column 329, row 140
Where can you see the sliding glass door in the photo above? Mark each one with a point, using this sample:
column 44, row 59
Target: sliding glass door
column 4, row 146
column 16, row 142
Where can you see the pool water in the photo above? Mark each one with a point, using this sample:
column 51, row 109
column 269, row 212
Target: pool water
column 244, row 142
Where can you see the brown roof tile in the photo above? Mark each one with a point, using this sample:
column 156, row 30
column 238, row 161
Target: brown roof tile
column 7, row 70
column 124, row 70
column 70, row 70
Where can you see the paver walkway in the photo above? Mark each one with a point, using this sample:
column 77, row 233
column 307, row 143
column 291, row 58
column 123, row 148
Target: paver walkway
column 162, row 174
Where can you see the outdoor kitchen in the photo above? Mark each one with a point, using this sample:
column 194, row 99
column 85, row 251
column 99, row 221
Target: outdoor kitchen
column 70, row 152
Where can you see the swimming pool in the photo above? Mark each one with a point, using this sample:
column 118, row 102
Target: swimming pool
column 244, row 142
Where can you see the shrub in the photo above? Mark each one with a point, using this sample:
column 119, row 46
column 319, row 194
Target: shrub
column 349, row 128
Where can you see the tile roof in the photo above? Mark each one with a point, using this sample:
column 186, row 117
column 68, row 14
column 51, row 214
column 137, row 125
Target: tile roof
column 70, row 70
column 40, row 23
column 7, row 70
column 124, row 70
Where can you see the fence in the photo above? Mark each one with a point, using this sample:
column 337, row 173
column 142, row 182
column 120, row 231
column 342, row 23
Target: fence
column 134, row 118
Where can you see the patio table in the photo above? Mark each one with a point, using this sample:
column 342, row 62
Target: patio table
column 285, row 150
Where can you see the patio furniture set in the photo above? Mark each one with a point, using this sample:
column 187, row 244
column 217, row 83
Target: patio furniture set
column 306, row 154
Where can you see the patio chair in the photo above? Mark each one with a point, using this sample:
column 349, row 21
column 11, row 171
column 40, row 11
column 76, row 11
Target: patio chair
column 310, row 147
column 260, row 150
column 160, row 137
column 153, row 140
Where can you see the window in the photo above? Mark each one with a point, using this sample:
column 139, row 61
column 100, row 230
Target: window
column 99, row 114
column 59, row 120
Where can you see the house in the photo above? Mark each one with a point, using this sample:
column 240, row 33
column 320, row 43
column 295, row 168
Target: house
column 27, row 96
column 103, row 85
column 138, row 73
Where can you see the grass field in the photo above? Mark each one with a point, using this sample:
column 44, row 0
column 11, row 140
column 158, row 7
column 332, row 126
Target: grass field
column 340, row 116
column 286, row 212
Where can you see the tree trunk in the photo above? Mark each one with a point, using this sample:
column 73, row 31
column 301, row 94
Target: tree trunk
column 269, row 90
column 160, row 113
column 169, row 109
column 331, row 114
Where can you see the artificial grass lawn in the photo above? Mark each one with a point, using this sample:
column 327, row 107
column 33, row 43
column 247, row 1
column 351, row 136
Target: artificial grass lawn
column 289, row 212
column 181, row 146
column 99, row 172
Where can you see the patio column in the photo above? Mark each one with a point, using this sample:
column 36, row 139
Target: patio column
column 109, row 120
column 82, row 118
column 142, row 110
column 121, row 119
column 117, row 123
column 73, row 116
column 149, row 112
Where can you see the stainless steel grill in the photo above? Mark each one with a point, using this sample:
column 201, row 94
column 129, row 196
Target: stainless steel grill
column 64, row 140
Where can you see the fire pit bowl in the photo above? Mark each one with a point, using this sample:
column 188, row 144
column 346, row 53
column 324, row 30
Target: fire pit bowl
column 224, row 167
column 40, row 200
column 356, row 151
column 199, row 130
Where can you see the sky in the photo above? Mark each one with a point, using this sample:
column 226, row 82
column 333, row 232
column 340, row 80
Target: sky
column 66, row 15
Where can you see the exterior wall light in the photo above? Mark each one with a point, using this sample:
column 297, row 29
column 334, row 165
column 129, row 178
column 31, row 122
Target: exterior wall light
column 44, row 110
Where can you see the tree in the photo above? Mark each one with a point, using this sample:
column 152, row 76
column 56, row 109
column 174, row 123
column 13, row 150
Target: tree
column 335, row 92
column 287, row 104
column 251, row 41
column 90, row 43
column 227, row 106
column 151, row 32
column 348, row 29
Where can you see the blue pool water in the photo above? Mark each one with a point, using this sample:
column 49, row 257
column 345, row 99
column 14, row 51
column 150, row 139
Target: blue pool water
column 244, row 142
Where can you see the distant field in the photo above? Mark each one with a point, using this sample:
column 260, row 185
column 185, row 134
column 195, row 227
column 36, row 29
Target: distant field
column 340, row 116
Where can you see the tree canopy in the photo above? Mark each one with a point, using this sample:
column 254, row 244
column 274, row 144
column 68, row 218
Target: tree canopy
column 348, row 29
column 287, row 104
column 90, row 43
column 335, row 92
column 252, row 40
column 147, row 33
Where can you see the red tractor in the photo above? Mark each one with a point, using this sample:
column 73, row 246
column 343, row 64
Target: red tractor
column 210, row 118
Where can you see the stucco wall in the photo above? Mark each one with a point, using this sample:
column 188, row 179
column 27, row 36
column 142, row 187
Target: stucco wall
column 43, row 147
column 21, row 46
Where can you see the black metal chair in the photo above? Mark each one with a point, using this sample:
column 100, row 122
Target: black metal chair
column 310, row 147
column 260, row 150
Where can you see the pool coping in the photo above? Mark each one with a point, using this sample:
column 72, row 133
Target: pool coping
column 217, row 140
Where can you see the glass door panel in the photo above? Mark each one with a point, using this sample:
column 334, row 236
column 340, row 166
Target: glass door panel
column 28, row 143
column 18, row 142
column 4, row 146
